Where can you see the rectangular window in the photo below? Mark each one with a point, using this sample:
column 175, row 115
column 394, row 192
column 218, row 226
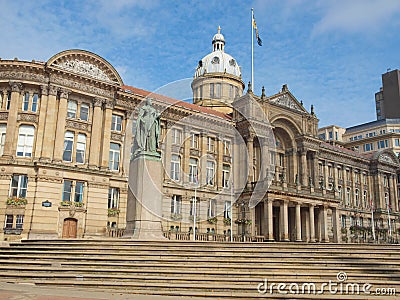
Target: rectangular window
column 227, row 147
column 176, row 136
column 194, row 142
column 225, row 175
column 210, row 172
column 340, row 192
column 281, row 160
column 176, row 204
column 212, row 205
column 35, row 102
column 8, row 101
column 113, row 197
column 227, row 209
column 9, row 221
column 218, row 90
column 193, row 170
column 348, row 196
column 72, row 107
column 175, row 167
column 68, row 146
column 79, row 191
column 194, row 209
column 67, row 190
column 84, row 112
column 25, row 140
column 25, row 102
column 230, row 91
column 19, row 186
column 210, row 144
column 357, row 203
column 81, row 148
column 19, row 221
column 343, row 221
column 365, row 196
column 113, row 163
column 368, row 147
column 116, row 124
column 201, row 92
column 3, row 128
column 330, row 135
column 340, row 173
column 397, row 142
column 211, row 90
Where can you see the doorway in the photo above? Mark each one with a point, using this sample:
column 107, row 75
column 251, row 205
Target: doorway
column 70, row 228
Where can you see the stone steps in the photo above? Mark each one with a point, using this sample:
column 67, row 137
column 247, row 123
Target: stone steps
column 197, row 269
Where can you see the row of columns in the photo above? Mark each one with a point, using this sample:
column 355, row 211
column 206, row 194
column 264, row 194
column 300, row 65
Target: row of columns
column 50, row 132
column 284, row 222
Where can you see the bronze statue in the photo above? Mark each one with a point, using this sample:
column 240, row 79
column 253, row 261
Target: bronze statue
column 147, row 129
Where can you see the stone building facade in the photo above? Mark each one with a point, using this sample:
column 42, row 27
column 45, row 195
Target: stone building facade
column 66, row 141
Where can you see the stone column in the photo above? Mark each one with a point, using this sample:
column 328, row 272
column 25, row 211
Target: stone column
column 336, row 225
column 312, row 224
column 250, row 151
column 284, row 221
column 219, row 163
column 96, row 134
column 42, row 120
column 50, row 124
column 392, row 192
column 298, row 223
column 11, row 131
column 60, row 128
column 304, row 171
column 105, row 147
column 324, row 224
column 166, row 150
column 269, row 220
column 316, row 175
column 253, row 220
column 186, row 154
column 395, row 195
column 127, row 142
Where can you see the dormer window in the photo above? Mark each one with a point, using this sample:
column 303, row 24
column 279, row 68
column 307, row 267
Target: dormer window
column 232, row 62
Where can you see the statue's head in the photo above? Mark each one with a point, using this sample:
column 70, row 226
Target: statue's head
column 148, row 101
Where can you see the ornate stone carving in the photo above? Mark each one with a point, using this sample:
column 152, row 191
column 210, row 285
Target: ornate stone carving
column 16, row 86
column 194, row 152
column 116, row 137
column 4, row 116
column 64, row 93
column 45, row 89
column 98, row 102
column 82, row 87
column 386, row 158
column 53, row 90
column 285, row 100
column 109, row 104
column 23, row 76
column 84, row 68
column 78, row 125
column 27, row 117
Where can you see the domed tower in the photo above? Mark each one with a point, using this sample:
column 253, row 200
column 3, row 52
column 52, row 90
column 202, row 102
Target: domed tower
column 218, row 78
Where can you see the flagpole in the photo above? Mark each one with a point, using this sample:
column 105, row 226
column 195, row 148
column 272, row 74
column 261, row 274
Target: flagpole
column 252, row 49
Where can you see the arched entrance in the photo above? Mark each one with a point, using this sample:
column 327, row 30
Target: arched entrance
column 70, row 228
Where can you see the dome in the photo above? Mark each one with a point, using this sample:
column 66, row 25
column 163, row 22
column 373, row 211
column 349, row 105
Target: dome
column 218, row 61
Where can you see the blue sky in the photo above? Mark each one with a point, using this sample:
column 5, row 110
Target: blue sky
column 330, row 53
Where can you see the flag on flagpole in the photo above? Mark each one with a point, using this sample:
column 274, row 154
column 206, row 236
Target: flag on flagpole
column 259, row 41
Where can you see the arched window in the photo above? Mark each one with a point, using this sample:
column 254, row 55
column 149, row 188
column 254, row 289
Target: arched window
column 3, row 128
column 25, row 140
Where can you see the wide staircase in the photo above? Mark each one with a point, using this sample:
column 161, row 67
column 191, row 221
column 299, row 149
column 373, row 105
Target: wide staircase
column 208, row 269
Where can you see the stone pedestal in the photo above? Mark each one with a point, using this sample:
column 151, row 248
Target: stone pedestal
column 144, row 207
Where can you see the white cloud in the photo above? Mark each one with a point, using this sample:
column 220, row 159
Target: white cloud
column 355, row 15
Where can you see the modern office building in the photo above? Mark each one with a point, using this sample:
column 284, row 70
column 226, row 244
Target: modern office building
column 242, row 162
column 388, row 98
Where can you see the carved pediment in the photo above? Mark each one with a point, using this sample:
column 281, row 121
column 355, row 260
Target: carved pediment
column 86, row 64
column 287, row 100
